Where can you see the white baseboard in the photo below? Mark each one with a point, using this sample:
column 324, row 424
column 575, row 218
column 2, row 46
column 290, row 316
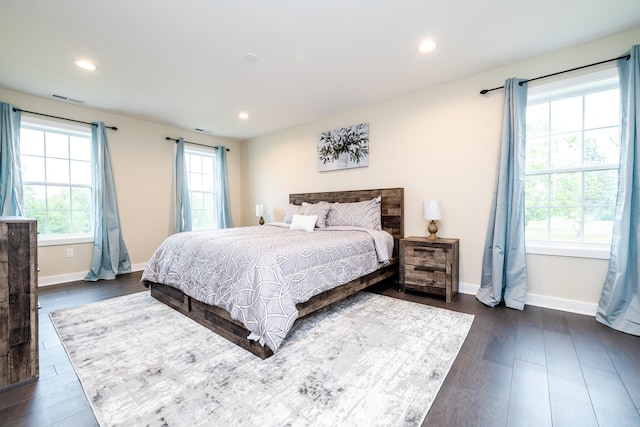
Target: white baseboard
column 572, row 306
column 74, row 277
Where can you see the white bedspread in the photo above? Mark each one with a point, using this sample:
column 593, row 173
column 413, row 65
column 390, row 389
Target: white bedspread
column 258, row 274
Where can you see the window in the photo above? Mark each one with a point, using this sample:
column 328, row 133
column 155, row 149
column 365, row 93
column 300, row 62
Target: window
column 571, row 168
column 57, row 179
column 201, row 171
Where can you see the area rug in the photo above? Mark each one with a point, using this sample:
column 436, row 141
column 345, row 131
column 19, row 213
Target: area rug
column 368, row 360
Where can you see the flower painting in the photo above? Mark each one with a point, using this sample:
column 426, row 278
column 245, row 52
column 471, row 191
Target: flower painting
column 344, row 148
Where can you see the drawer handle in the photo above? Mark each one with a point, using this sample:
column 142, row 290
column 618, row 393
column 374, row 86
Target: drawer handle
column 423, row 268
column 424, row 249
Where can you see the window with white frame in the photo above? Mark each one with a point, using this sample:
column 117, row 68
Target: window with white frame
column 201, row 171
column 571, row 168
column 57, row 179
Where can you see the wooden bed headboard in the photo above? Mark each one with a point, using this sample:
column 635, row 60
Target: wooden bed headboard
column 391, row 207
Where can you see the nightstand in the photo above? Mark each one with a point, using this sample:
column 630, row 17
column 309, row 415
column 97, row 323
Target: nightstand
column 430, row 266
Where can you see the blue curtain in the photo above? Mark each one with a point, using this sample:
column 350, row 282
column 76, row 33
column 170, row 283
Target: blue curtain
column 619, row 305
column 10, row 174
column 183, row 203
column 110, row 255
column 222, row 192
column 504, row 265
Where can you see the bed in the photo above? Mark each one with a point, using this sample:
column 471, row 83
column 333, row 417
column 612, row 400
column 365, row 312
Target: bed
column 205, row 307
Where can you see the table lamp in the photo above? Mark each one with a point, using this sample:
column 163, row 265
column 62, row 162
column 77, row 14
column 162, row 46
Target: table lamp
column 260, row 212
column 432, row 213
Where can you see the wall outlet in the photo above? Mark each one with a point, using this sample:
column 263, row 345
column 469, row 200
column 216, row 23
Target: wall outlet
column 69, row 252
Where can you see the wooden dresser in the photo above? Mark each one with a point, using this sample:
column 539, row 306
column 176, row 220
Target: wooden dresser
column 18, row 300
column 430, row 266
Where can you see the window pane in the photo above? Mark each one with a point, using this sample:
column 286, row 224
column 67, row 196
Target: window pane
column 536, row 190
column 598, row 224
column 537, row 154
column 538, row 120
column 602, row 147
column 566, row 189
column 80, row 172
column 58, row 198
column 195, row 163
column 602, row 109
column 566, row 151
column 59, row 222
column 566, row 115
column 32, row 168
column 207, row 183
column 195, row 181
column 35, row 197
column 601, row 188
column 207, row 218
column 81, row 221
column 196, row 201
column 196, row 218
column 536, row 223
column 81, row 199
column 57, row 171
column 57, row 145
column 32, row 142
column 208, row 201
column 207, row 165
column 80, row 148
column 565, row 224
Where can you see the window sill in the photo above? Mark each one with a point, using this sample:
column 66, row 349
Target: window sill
column 70, row 239
column 575, row 250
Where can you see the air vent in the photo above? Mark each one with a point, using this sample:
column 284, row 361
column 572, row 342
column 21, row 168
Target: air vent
column 65, row 98
column 202, row 130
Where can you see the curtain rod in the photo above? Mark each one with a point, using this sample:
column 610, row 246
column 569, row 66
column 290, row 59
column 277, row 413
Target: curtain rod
column 61, row 118
column 195, row 143
column 483, row 91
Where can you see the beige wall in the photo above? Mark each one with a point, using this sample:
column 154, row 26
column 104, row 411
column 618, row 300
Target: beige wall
column 439, row 143
column 142, row 163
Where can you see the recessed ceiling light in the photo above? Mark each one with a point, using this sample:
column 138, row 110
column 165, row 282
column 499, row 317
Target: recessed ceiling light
column 85, row 64
column 427, row 46
column 243, row 115
column 250, row 57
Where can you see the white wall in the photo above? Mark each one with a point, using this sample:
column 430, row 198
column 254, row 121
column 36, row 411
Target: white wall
column 142, row 162
column 438, row 143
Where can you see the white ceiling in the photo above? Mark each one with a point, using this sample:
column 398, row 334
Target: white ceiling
column 182, row 62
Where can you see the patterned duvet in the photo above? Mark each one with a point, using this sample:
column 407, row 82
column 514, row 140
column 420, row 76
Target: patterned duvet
column 259, row 274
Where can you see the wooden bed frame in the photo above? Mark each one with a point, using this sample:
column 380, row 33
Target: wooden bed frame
column 218, row 319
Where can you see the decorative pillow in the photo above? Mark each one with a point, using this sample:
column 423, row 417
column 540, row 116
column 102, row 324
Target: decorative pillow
column 321, row 209
column 303, row 222
column 357, row 214
column 291, row 211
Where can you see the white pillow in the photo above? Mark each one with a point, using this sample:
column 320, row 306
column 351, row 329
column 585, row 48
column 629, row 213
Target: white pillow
column 303, row 222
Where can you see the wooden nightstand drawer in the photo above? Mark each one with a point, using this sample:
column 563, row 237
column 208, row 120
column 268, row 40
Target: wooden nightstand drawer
column 429, row 266
column 425, row 276
column 425, row 256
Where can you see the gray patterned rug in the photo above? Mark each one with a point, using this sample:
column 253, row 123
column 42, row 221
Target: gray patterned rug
column 369, row 360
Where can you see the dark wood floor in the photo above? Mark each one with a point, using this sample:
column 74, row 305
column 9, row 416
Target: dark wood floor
column 538, row 367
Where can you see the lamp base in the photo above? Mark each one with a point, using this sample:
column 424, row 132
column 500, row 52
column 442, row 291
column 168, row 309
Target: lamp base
column 261, row 222
column 433, row 229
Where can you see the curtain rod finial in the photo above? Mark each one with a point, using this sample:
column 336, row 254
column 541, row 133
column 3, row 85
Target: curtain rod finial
column 483, row 91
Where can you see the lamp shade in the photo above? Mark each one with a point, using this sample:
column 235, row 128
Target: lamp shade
column 432, row 209
column 259, row 210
